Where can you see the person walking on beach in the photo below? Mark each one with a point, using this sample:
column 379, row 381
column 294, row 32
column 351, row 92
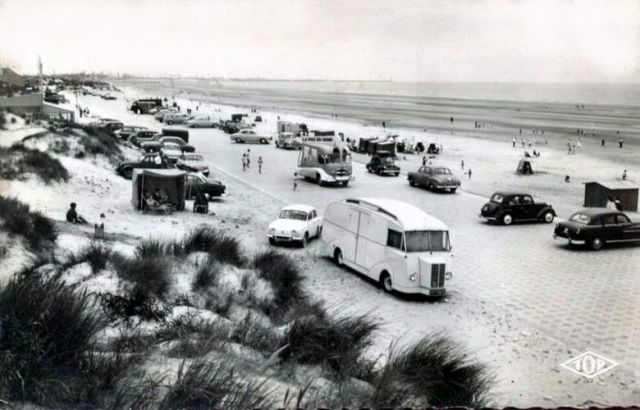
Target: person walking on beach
column 248, row 159
column 624, row 175
column 621, row 141
column 244, row 162
column 513, row 142
column 610, row 204
column 469, row 173
column 462, row 164
column 618, row 204
column 295, row 184
column 602, row 143
column 424, row 160
column 260, row 165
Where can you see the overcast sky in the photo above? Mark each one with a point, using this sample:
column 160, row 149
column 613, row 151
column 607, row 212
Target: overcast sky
column 422, row 40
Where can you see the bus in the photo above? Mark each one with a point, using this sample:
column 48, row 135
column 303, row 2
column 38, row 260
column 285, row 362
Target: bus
column 325, row 160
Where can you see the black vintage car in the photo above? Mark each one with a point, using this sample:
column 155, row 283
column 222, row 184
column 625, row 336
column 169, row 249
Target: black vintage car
column 153, row 161
column 434, row 178
column 383, row 165
column 597, row 226
column 508, row 207
column 210, row 187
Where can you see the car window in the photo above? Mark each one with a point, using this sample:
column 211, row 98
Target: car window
column 596, row 220
column 527, row 199
column 314, row 214
column 497, row 198
column 580, row 218
column 442, row 171
column 621, row 219
column 514, row 200
column 421, row 169
column 394, row 239
column 609, row 219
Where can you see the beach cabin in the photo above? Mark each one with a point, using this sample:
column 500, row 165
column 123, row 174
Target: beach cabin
column 597, row 193
column 524, row 167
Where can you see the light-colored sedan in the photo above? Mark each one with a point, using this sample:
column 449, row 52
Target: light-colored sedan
column 296, row 223
column 202, row 122
column 176, row 118
column 172, row 151
column 250, row 136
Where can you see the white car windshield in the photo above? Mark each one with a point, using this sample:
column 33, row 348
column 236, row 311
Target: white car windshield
column 427, row 241
column 293, row 214
column 580, row 218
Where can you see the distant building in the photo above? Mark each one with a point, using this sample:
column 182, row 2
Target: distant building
column 597, row 193
column 33, row 105
column 11, row 78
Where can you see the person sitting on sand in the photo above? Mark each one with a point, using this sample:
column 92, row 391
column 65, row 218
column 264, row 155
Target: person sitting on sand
column 72, row 215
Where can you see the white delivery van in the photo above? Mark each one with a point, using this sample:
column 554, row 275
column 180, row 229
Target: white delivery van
column 395, row 243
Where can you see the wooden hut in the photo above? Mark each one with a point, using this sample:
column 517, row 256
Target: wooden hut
column 597, row 193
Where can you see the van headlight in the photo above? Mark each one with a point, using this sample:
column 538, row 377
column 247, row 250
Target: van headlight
column 413, row 277
column 448, row 275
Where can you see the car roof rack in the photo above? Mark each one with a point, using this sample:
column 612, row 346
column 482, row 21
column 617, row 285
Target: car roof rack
column 371, row 206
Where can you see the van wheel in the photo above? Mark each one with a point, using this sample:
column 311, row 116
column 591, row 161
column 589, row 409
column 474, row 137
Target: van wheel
column 596, row 244
column 272, row 241
column 263, row 141
column 507, row 219
column 305, row 240
column 385, row 282
column 337, row 257
column 238, row 140
column 548, row 217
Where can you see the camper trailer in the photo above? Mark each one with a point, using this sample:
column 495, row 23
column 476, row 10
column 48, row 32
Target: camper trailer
column 324, row 160
column 392, row 242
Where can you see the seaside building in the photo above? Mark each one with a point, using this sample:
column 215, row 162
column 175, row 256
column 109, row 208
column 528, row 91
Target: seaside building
column 597, row 193
column 33, row 105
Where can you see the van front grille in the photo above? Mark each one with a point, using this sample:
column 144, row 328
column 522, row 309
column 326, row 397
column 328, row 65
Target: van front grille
column 437, row 275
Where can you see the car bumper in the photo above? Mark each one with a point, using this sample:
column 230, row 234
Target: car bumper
column 282, row 237
column 389, row 171
column 419, row 290
column 444, row 186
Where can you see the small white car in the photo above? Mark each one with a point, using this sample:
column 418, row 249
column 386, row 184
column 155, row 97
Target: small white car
column 296, row 223
column 250, row 136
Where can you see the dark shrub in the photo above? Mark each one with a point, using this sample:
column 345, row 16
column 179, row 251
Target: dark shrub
column 435, row 370
column 337, row 343
column 3, row 120
column 285, row 278
column 206, row 275
column 219, row 246
column 195, row 336
column 46, row 334
column 150, row 273
column 139, row 303
column 251, row 333
column 158, row 248
column 206, row 385
column 101, row 142
column 18, row 161
column 18, row 219
column 96, row 254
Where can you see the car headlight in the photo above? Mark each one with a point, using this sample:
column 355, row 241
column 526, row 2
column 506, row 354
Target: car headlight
column 578, row 231
column 413, row 277
column 295, row 233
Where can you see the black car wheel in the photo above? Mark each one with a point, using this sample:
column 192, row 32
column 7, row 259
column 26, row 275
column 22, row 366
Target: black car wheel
column 337, row 257
column 263, row 141
column 548, row 217
column 272, row 241
column 345, row 183
column 596, row 244
column 386, row 282
column 238, row 140
column 412, row 182
column 194, row 126
column 305, row 240
column 507, row 219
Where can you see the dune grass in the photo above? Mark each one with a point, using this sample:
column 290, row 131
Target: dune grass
column 18, row 161
column 219, row 246
column 285, row 278
column 18, row 219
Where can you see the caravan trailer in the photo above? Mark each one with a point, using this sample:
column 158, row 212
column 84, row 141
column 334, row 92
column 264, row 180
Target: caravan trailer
column 397, row 244
column 324, row 160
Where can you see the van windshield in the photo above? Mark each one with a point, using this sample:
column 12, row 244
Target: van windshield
column 427, row 241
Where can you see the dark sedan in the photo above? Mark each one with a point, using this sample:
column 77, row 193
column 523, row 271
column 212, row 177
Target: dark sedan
column 508, row 207
column 197, row 182
column 148, row 161
column 597, row 226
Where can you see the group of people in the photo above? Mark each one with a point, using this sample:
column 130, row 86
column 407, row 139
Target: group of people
column 246, row 161
column 158, row 201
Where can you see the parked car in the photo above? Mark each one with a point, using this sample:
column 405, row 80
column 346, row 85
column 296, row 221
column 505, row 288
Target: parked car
column 383, row 165
column 140, row 137
column 107, row 124
column 202, row 122
column 171, row 150
column 154, row 161
column 193, row 163
column 210, row 187
column 109, row 97
column 176, row 118
column 596, row 227
column 288, row 140
column 126, row 131
column 250, row 136
column 295, row 223
column 434, row 178
column 155, row 144
column 159, row 116
column 394, row 243
column 509, row 207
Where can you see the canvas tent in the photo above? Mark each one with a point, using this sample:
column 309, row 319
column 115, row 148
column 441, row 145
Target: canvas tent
column 524, row 167
column 597, row 193
column 172, row 181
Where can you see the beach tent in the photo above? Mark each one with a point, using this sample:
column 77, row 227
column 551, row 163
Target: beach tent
column 172, row 181
column 597, row 193
column 524, row 167
column 381, row 146
column 176, row 132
